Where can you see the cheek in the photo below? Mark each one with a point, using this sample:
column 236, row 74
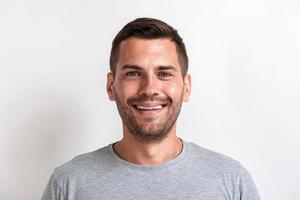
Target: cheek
column 125, row 90
column 173, row 90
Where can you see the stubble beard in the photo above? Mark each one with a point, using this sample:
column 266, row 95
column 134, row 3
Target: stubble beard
column 152, row 130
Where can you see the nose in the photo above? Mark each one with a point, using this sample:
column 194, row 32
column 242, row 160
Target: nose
column 149, row 86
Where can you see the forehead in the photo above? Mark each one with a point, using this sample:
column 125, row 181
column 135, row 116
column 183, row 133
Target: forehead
column 148, row 52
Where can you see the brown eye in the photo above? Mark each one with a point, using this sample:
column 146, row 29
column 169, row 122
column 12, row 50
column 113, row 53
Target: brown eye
column 164, row 74
column 132, row 74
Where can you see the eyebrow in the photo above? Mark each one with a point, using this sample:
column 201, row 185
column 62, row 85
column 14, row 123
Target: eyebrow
column 130, row 67
column 167, row 67
column 160, row 67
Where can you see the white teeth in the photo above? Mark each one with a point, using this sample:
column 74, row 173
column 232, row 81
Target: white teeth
column 149, row 108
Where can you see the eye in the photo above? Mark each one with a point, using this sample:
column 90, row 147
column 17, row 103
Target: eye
column 132, row 74
column 164, row 74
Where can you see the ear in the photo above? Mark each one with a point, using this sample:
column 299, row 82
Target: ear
column 110, row 87
column 187, row 87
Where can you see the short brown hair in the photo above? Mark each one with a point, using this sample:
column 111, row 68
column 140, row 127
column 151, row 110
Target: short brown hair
column 148, row 28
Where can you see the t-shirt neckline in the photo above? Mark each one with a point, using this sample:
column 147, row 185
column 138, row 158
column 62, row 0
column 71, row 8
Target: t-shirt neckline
column 169, row 163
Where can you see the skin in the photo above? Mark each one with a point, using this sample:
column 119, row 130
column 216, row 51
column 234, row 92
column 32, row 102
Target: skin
column 148, row 74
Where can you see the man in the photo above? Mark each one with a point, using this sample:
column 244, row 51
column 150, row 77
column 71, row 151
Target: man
column 149, row 81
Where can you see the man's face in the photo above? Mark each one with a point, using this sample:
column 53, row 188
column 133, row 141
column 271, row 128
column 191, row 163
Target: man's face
column 148, row 87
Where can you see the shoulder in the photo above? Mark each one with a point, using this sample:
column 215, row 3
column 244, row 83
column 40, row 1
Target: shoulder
column 223, row 170
column 85, row 164
column 214, row 161
column 82, row 169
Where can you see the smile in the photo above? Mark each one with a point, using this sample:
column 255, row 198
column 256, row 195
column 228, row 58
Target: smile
column 149, row 107
column 149, row 110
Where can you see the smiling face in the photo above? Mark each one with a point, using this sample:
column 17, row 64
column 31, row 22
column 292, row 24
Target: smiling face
column 148, row 87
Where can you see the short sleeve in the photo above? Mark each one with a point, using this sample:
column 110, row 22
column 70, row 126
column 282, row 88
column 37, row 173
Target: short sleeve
column 248, row 190
column 52, row 191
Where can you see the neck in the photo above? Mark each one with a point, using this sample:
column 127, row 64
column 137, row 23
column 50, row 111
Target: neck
column 149, row 154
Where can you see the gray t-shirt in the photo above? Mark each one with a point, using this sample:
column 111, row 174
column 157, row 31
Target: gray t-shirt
column 196, row 173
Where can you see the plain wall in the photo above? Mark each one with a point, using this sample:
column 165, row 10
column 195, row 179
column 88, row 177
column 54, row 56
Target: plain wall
column 245, row 102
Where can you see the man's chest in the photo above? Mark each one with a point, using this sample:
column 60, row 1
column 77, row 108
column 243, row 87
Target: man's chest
column 153, row 187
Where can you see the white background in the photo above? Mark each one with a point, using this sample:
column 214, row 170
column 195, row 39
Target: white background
column 245, row 67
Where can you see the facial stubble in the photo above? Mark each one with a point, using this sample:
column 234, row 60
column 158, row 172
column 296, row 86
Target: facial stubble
column 151, row 130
